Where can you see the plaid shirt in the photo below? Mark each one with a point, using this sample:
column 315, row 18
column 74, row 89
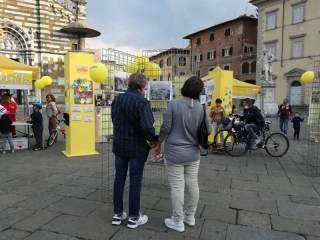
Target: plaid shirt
column 132, row 124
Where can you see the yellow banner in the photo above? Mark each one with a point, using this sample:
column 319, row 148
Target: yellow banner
column 15, row 79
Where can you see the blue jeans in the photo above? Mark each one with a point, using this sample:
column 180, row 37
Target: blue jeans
column 251, row 129
column 284, row 121
column 136, row 166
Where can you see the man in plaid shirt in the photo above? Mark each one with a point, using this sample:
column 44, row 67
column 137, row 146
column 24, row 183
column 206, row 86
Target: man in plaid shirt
column 133, row 133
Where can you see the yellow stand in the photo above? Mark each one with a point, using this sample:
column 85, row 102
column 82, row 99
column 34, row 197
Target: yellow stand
column 79, row 95
column 223, row 84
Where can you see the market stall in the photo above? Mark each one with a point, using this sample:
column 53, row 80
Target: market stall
column 17, row 76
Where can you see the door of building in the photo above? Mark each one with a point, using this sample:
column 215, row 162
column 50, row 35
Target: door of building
column 296, row 93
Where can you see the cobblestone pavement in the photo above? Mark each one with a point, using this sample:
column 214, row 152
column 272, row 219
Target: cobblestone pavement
column 45, row 196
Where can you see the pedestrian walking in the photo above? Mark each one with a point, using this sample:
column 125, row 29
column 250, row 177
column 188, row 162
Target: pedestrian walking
column 216, row 117
column 37, row 126
column 284, row 112
column 52, row 112
column 6, row 132
column 134, row 134
column 181, row 122
column 9, row 103
column 296, row 122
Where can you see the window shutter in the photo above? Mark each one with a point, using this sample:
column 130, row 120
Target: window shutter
column 230, row 51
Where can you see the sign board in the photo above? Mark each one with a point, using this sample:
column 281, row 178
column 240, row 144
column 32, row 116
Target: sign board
column 15, row 79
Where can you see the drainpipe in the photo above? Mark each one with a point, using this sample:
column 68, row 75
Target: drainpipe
column 282, row 33
column 38, row 36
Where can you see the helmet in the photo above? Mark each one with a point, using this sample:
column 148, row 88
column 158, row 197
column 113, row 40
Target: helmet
column 37, row 105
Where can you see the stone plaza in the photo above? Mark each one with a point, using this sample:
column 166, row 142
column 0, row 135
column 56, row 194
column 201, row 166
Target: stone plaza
column 44, row 195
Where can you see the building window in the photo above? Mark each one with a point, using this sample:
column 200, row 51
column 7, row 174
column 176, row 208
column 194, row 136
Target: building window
column 271, row 48
column 198, row 73
column 182, row 61
column 161, row 77
column 182, row 73
column 227, row 67
column 161, row 64
column 169, row 76
column 198, row 41
column 298, row 11
column 211, row 55
column 169, row 61
column 227, row 52
column 248, row 49
column 74, row 47
column 195, row 58
column 297, row 47
column 271, row 20
column 211, row 36
column 245, row 68
column 227, row 32
column 198, row 58
column 253, row 67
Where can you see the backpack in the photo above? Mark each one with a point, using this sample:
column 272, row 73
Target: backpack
column 203, row 132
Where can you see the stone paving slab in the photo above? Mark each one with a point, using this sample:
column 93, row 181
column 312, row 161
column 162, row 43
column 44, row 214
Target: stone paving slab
column 254, row 219
column 236, row 232
column 82, row 227
column 298, row 211
column 10, row 216
column 11, row 234
column 44, row 235
column 36, row 221
column 306, row 227
column 74, row 206
column 255, row 205
column 214, row 230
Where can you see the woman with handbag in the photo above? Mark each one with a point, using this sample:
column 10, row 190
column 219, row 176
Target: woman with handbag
column 182, row 122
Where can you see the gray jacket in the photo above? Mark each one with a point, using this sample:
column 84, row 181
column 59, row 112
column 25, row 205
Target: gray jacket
column 51, row 109
column 179, row 130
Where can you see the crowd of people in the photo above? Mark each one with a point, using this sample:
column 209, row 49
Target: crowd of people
column 8, row 112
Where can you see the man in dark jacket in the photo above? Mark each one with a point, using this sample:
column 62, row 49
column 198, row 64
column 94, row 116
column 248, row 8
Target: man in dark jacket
column 37, row 126
column 284, row 112
column 254, row 122
column 133, row 134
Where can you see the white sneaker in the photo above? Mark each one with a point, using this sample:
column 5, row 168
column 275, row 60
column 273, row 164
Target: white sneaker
column 177, row 226
column 190, row 221
column 136, row 222
column 117, row 219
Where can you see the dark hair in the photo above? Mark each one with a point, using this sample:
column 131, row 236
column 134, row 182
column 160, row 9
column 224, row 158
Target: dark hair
column 5, row 117
column 137, row 81
column 52, row 97
column 192, row 88
column 218, row 100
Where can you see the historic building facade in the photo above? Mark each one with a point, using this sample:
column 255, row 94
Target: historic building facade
column 290, row 31
column 30, row 32
column 230, row 45
column 173, row 62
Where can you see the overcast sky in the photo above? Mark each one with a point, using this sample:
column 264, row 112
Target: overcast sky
column 133, row 25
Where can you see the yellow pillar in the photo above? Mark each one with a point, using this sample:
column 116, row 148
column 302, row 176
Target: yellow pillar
column 79, row 95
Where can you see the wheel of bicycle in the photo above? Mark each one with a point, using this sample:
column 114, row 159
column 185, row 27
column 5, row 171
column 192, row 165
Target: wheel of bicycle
column 217, row 136
column 52, row 138
column 277, row 145
column 233, row 146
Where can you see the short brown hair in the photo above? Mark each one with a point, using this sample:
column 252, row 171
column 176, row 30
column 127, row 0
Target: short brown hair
column 52, row 97
column 137, row 81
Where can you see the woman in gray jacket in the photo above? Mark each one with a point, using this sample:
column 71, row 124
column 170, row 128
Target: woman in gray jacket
column 179, row 131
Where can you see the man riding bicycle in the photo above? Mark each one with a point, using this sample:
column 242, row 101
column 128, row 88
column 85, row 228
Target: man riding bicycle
column 253, row 122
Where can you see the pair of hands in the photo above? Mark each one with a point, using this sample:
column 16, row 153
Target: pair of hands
column 155, row 148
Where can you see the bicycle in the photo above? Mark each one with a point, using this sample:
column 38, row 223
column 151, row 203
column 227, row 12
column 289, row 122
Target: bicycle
column 236, row 142
column 53, row 137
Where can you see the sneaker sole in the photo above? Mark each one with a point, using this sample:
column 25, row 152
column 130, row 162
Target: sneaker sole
column 189, row 225
column 173, row 228
column 116, row 223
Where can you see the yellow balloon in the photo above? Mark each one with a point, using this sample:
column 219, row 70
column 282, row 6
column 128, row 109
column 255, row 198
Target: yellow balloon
column 152, row 71
column 141, row 60
column 307, row 77
column 46, row 80
column 132, row 68
column 39, row 84
column 98, row 72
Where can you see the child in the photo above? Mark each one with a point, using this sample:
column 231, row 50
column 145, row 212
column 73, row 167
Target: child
column 216, row 115
column 37, row 125
column 6, row 133
column 296, row 125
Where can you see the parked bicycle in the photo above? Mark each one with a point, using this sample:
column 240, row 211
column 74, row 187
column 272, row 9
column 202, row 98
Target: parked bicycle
column 53, row 137
column 236, row 142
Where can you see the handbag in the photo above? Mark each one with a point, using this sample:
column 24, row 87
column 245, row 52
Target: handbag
column 203, row 132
